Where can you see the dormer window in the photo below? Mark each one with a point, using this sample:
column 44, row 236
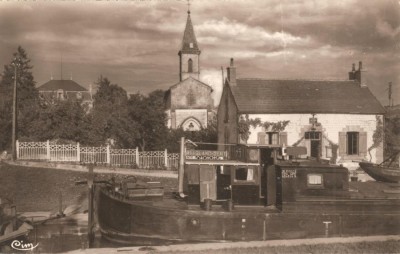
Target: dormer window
column 191, row 45
column 60, row 94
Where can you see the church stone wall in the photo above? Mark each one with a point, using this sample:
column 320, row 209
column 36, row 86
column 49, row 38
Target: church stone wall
column 191, row 94
column 184, row 66
column 198, row 114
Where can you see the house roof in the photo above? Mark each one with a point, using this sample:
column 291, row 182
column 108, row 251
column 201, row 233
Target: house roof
column 66, row 85
column 189, row 37
column 304, row 96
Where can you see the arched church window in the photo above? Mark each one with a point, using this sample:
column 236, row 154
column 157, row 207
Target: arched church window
column 190, row 65
column 191, row 98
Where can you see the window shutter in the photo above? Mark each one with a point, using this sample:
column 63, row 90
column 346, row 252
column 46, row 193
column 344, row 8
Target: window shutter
column 283, row 138
column 363, row 144
column 261, row 138
column 342, row 143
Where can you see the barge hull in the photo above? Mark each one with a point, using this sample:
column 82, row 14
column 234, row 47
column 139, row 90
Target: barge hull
column 142, row 223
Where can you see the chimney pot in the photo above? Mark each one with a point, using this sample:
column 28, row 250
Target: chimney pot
column 354, row 67
column 360, row 65
column 231, row 71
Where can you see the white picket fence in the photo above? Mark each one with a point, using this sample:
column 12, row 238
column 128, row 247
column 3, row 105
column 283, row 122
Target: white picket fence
column 49, row 151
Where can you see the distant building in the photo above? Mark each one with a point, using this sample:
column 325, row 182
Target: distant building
column 189, row 103
column 334, row 120
column 58, row 90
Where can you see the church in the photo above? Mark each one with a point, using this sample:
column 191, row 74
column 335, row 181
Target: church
column 189, row 104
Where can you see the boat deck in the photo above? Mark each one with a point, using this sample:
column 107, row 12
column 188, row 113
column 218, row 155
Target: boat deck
column 374, row 190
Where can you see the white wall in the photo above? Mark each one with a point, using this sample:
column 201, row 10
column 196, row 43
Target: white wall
column 331, row 125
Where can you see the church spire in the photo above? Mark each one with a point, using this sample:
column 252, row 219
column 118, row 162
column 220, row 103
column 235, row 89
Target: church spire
column 189, row 54
column 189, row 42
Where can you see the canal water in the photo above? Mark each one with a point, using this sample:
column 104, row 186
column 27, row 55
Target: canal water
column 65, row 234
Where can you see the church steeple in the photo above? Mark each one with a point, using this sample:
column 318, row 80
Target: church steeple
column 189, row 53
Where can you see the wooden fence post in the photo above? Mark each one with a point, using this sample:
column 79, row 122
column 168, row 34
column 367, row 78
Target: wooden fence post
column 78, row 152
column 137, row 157
column 166, row 158
column 108, row 154
column 48, row 149
column 17, row 148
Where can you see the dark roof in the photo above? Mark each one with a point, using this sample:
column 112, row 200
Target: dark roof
column 66, row 85
column 304, row 96
column 189, row 37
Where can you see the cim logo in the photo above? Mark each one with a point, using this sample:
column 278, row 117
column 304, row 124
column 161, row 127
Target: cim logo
column 20, row 245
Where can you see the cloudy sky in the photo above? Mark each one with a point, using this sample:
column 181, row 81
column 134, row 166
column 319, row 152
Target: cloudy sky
column 135, row 43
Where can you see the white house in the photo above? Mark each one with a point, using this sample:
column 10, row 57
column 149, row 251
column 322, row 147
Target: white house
column 340, row 121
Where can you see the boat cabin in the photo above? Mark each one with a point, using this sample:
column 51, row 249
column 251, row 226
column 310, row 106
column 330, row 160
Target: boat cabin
column 259, row 176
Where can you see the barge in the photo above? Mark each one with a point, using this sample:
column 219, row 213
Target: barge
column 251, row 195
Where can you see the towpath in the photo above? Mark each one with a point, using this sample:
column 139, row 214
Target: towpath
column 238, row 245
column 97, row 169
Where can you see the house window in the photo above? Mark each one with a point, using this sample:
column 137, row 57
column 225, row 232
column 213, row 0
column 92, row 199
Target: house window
column 79, row 95
column 312, row 135
column 272, row 138
column 190, row 65
column 314, row 180
column 352, row 143
column 244, row 174
column 191, row 45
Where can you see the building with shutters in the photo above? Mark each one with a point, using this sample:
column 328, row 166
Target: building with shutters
column 59, row 90
column 189, row 102
column 334, row 120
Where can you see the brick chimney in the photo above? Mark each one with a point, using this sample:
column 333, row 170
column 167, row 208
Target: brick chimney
column 356, row 74
column 231, row 71
column 351, row 73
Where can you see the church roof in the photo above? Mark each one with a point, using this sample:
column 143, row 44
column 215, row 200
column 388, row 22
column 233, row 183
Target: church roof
column 260, row 96
column 191, row 78
column 189, row 42
column 66, row 85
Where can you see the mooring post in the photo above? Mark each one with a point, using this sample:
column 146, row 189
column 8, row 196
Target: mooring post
column 60, row 204
column 90, row 206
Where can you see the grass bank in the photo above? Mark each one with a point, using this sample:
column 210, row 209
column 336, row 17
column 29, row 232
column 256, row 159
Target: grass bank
column 38, row 189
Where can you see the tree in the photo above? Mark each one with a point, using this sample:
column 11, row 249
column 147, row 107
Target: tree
column 28, row 98
column 392, row 131
column 66, row 120
column 109, row 116
column 149, row 114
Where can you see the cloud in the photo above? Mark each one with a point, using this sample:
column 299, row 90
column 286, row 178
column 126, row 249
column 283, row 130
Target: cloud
column 135, row 43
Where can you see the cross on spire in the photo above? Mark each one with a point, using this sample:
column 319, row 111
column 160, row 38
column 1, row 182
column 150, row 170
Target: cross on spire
column 188, row 6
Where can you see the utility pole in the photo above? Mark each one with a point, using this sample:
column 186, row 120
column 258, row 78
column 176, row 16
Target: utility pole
column 16, row 63
column 222, row 71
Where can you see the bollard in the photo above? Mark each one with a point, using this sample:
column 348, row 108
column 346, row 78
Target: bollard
column 207, row 204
